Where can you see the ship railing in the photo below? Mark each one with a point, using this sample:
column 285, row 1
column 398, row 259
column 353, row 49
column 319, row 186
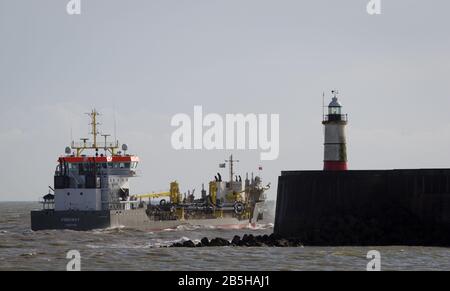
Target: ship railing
column 130, row 202
column 47, row 204
column 113, row 206
column 121, row 205
column 119, row 172
column 99, row 145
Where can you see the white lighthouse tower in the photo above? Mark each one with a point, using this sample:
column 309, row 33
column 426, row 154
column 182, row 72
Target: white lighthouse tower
column 335, row 149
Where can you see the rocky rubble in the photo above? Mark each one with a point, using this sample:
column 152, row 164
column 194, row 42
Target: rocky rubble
column 246, row 241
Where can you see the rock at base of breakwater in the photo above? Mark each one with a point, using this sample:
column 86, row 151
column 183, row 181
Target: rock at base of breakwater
column 248, row 240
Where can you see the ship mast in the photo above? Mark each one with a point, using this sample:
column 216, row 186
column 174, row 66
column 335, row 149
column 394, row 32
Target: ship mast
column 95, row 132
column 231, row 161
column 93, row 115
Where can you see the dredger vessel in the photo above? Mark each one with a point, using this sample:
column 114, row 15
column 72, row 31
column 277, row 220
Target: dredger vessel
column 92, row 191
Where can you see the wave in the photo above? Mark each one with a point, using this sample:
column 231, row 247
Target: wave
column 119, row 230
column 260, row 226
column 116, row 229
column 32, row 254
column 154, row 243
column 184, row 227
column 120, row 246
column 250, row 226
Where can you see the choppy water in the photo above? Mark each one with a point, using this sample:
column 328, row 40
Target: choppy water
column 126, row 249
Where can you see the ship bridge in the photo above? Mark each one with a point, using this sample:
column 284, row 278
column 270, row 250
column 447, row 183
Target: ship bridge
column 113, row 165
column 94, row 175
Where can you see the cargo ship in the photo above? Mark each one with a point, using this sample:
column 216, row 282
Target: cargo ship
column 92, row 191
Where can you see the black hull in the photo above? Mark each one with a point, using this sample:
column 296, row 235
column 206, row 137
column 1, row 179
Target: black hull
column 73, row 220
column 135, row 219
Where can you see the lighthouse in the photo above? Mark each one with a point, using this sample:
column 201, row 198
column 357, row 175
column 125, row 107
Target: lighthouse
column 335, row 149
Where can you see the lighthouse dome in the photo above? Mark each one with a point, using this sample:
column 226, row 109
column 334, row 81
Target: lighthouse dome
column 335, row 103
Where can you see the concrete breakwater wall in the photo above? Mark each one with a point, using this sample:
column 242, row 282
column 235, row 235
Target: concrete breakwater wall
column 379, row 207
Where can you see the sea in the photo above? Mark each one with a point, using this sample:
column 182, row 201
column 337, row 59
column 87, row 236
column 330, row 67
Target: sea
column 22, row 249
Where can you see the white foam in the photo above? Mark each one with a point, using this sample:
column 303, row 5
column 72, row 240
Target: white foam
column 259, row 226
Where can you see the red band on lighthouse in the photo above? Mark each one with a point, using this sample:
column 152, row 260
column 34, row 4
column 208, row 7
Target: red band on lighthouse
column 334, row 166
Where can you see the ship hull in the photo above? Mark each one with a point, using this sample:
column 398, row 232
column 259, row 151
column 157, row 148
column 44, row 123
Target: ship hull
column 74, row 220
column 135, row 219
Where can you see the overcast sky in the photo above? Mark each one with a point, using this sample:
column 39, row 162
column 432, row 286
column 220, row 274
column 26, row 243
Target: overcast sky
column 150, row 59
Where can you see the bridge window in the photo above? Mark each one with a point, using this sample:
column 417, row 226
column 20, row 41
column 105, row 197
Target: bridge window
column 73, row 167
column 82, row 168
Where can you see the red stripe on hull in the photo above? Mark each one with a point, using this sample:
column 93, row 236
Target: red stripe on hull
column 334, row 166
